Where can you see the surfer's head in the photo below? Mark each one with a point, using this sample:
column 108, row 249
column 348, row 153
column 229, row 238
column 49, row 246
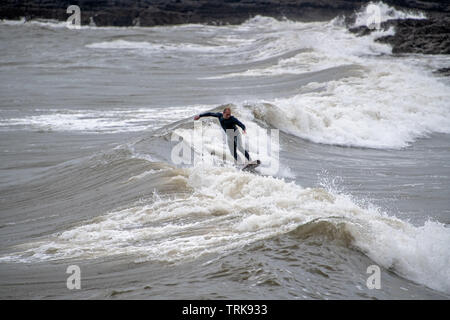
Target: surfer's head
column 226, row 113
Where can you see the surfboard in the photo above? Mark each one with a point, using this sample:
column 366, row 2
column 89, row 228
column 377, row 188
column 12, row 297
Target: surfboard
column 251, row 165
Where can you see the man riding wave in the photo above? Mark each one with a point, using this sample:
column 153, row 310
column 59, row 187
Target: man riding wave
column 229, row 125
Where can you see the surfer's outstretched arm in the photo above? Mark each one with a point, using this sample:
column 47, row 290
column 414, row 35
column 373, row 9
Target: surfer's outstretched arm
column 240, row 124
column 208, row 114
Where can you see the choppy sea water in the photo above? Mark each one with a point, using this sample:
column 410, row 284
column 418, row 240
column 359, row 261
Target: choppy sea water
column 87, row 177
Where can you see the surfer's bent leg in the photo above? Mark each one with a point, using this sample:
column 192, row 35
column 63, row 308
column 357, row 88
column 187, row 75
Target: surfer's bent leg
column 232, row 143
column 240, row 147
column 234, row 140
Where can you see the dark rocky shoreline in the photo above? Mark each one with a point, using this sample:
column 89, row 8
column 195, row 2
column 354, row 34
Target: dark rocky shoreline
column 428, row 36
column 168, row 12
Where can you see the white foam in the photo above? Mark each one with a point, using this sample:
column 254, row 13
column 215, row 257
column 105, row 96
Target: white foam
column 228, row 209
column 389, row 103
column 321, row 45
column 37, row 22
column 56, row 24
column 223, row 46
column 97, row 121
column 298, row 64
column 381, row 12
column 143, row 175
column 390, row 106
column 144, row 45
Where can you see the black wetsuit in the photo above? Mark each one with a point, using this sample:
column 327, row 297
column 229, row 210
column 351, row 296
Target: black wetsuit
column 229, row 123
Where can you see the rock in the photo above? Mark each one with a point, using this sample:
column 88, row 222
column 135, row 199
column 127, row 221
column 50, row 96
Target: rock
column 160, row 12
column 426, row 36
column 443, row 72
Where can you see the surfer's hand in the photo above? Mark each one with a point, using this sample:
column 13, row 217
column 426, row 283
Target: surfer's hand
column 196, row 117
column 245, row 132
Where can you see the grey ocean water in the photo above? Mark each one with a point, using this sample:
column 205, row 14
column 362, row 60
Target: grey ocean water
column 87, row 177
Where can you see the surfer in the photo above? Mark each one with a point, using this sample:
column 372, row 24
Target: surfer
column 229, row 123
